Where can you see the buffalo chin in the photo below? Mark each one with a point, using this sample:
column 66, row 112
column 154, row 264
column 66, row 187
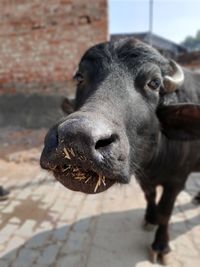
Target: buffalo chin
column 91, row 183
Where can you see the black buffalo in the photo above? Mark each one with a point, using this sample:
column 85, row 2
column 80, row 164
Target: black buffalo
column 136, row 113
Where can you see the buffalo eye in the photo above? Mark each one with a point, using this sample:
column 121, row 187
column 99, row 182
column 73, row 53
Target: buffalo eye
column 78, row 77
column 154, row 83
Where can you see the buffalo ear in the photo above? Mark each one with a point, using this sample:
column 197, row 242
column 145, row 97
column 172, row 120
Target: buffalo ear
column 180, row 122
column 68, row 105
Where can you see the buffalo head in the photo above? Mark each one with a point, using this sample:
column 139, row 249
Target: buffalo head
column 122, row 106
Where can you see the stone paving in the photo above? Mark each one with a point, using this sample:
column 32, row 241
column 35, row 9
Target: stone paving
column 43, row 224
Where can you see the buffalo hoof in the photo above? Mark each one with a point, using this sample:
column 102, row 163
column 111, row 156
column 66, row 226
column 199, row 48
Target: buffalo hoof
column 165, row 259
column 148, row 226
column 159, row 257
column 196, row 199
column 4, row 194
column 153, row 255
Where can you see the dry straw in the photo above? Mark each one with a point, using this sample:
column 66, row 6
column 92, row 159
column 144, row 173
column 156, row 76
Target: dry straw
column 77, row 174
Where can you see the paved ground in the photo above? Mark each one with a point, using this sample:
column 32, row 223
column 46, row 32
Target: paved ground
column 43, row 224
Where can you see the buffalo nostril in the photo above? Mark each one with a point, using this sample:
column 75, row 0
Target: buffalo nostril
column 105, row 142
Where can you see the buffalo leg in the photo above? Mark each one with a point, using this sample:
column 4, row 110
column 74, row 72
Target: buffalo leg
column 160, row 246
column 196, row 199
column 150, row 214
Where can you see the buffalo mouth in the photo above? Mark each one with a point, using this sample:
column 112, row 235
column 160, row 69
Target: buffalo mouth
column 78, row 174
column 85, row 181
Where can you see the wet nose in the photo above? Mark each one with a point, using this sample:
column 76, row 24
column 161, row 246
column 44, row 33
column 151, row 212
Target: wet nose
column 88, row 136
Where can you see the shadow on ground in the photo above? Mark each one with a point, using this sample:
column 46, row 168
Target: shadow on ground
column 112, row 239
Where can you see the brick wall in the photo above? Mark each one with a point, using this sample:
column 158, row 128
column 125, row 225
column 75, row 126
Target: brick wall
column 41, row 42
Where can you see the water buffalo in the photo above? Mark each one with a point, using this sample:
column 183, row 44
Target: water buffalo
column 136, row 113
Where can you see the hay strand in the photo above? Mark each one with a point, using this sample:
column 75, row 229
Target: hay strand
column 66, row 153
